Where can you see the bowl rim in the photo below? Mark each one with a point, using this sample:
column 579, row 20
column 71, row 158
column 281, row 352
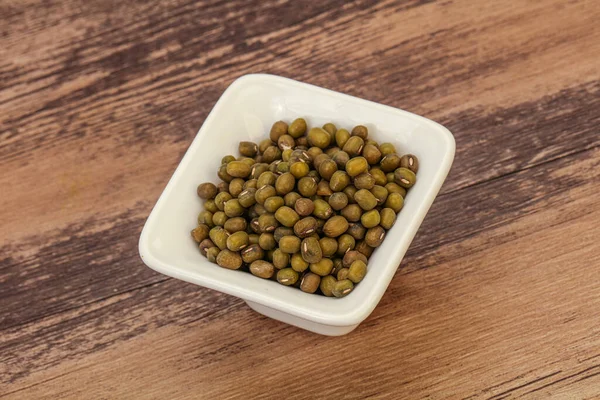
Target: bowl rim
column 349, row 317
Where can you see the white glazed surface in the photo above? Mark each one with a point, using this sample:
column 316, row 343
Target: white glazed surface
column 246, row 111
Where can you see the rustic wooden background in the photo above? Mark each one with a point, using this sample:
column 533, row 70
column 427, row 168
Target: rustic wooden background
column 498, row 297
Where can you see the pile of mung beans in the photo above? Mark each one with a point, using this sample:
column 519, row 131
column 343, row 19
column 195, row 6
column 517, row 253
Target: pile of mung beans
column 305, row 207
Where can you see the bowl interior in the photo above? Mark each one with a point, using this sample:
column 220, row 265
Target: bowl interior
column 246, row 111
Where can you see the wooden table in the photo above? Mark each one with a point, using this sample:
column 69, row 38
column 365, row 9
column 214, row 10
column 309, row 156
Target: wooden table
column 498, row 296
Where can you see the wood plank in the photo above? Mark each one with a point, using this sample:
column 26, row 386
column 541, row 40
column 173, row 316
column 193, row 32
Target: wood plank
column 528, row 307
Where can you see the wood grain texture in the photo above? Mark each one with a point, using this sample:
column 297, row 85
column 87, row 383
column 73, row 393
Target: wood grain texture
column 498, row 296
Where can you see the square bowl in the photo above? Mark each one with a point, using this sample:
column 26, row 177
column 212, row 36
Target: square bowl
column 246, row 111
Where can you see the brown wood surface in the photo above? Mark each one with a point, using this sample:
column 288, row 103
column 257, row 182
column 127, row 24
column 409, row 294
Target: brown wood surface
column 497, row 298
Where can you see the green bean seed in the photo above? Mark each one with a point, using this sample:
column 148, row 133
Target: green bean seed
column 299, row 169
column 320, row 159
column 405, row 177
column 410, row 161
column 327, row 284
column 311, row 251
column 267, row 241
column 372, row 154
column 233, row 208
column 387, row 148
column 280, row 259
column 297, row 128
column 354, row 146
column 361, row 131
column 262, row 269
column 345, row 243
column 375, row 236
column 318, row 137
column 248, row 149
column 290, row 244
column 339, row 180
column 307, row 186
column 238, row 169
column 304, row 207
column 285, row 142
column 237, row 241
column 342, row 274
column 287, row 216
column 390, row 162
column 271, row 154
column 273, row 203
column 219, row 237
column 341, row 137
column 305, row 227
column 365, row 199
column 221, row 199
column 364, row 181
column 236, row 186
column 393, row 187
column 219, row 218
column 247, row 197
column 379, row 176
column 388, row 217
column 287, row 276
column 380, row 194
column 207, row 190
column 338, row 200
column 322, row 209
column 229, row 259
column 357, row 231
column 210, row 205
column 330, row 128
column 352, row 212
column 335, row 226
column 342, row 288
column 267, row 222
column 206, row 217
column 357, row 271
column 327, row 168
column 356, row 166
column 310, row 282
column 370, row 219
column 328, row 246
column 200, row 232
column 395, row 201
column 252, row 253
column 322, row 267
column 227, row 159
column 298, row 263
column 340, row 158
column 278, row 129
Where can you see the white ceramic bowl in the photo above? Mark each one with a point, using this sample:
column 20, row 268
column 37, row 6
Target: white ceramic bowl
column 246, row 111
